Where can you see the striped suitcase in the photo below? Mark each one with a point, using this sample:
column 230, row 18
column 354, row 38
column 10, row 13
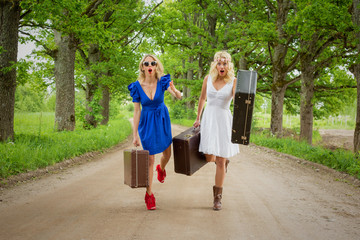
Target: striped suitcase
column 136, row 168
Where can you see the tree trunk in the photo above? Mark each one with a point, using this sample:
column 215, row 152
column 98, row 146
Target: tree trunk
column 201, row 67
column 64, row 79
column 279, row 70
column 105, row 104
column 277, row 104
column 278, row 90
column 190, row 75
column 90, row 89
column 356, row 72
column 92, row 86
column 243, row 63
column 212, row 20
column 9, row 29
column 306, row 106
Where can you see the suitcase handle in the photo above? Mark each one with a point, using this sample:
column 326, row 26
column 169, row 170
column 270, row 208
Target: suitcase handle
column 193, row 132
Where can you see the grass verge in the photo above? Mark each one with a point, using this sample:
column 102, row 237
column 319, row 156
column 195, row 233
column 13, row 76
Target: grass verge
column 341, row 160
column 39, row 146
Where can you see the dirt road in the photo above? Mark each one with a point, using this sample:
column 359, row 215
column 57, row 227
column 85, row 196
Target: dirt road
column 267, row 195
column 337, row 138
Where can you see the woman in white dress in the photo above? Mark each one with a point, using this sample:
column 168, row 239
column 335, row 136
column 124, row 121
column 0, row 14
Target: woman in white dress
column 217, row 92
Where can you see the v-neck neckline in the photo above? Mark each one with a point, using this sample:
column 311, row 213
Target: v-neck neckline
column 145, row 92
column 215, row 87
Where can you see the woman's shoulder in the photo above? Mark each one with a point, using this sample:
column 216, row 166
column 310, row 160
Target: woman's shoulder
column 134, row 92
column 165, row 78
column 133, row 85
column 165, row 81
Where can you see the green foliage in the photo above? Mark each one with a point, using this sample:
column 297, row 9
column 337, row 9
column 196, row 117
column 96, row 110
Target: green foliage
column 51, row 101
column 37, row 145
column 185, row 35
column 28, row 99
column 183, row 122
column 180, row 111
column 328, row 89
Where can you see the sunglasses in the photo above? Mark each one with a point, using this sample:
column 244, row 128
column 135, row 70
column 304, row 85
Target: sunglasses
column 146, row 64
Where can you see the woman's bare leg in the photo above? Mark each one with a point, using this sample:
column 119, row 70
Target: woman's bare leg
column 220, row 171
column 151, row 172
column 165, row 158
column 210, row 158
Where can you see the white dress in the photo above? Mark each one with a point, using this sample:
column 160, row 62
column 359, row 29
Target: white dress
column 216, row 122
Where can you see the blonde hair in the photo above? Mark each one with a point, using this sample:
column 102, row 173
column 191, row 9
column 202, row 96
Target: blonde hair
column 230, row 71
column 159, row 71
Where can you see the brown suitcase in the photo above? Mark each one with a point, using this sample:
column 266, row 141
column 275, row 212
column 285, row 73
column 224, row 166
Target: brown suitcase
column 243, row 106
column 136, row 168
column 187, row 158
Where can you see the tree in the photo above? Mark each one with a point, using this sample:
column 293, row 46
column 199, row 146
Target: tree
column 283, row 59
column 317, row 23
column 72, row 25
column 119, row 26
column 356, row 71
column 9, row 28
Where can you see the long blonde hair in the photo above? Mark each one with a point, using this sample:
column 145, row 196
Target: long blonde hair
column 159, row 71
column 213, row 71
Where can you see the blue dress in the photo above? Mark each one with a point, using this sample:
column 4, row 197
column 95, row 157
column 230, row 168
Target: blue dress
column 154, row 126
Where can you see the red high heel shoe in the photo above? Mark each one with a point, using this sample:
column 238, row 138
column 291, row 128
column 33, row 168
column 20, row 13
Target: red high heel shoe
column 150, row 201
column 161, row 174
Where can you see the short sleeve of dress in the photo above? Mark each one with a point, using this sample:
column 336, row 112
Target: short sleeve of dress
column 134, row 93
column 165, row 82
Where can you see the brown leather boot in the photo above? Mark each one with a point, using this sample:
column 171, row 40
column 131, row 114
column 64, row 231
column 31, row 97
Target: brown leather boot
column 217, row 197
column 226, row 164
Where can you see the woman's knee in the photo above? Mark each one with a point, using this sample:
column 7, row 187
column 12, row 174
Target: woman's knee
column 220, row 162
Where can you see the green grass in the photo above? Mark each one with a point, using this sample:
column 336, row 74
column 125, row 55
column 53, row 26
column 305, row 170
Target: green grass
column 293, row 122
column 37, row 145
column 341, row 160
column 184, row 122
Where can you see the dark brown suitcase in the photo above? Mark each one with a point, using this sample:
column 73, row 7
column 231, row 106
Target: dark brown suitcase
column 243, row 106
column 187, row 158
column 136, row 168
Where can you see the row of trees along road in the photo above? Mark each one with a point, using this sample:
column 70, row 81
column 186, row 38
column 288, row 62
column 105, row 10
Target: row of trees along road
column 302, row 51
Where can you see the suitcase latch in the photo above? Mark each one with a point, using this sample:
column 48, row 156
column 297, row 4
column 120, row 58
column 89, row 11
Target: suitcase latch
column 243, row 137
column 247, row 101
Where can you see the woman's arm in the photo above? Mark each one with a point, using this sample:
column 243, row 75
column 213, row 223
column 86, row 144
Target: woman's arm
column 234, row 88
column 136, row 120
column 202, row 101
column 173, row 91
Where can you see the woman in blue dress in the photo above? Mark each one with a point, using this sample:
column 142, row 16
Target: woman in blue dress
column 151, row 117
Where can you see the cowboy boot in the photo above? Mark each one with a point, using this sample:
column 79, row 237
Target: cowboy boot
column 226, row 164
column 217, row 197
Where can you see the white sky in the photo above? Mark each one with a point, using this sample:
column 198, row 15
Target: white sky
column 25, row 49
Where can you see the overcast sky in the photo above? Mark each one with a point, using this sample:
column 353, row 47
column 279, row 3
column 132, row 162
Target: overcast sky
column 24, row 50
